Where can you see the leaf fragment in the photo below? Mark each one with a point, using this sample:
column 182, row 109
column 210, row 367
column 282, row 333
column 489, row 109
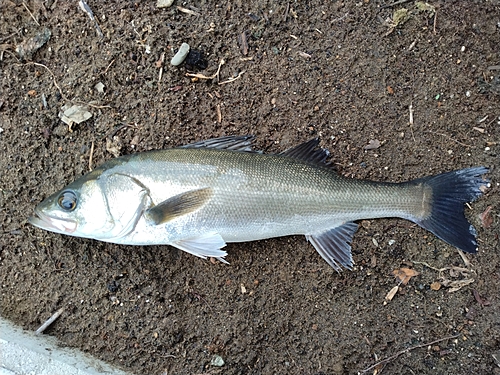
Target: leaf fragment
column 436, row 285
column 405, row 274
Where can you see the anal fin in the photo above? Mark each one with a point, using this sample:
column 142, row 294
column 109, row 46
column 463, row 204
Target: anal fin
column 204, row 245
column 334, row 245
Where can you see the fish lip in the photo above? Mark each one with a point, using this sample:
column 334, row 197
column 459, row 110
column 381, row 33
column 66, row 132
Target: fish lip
column 52, row 224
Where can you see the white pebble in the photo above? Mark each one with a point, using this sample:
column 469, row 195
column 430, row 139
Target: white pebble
column 164, row 3
column 181, row 55
column 467, row 94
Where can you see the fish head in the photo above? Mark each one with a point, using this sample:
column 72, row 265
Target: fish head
column 80, row 209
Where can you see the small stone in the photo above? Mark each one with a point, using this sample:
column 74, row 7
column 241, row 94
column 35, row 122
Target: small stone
column 217, row 361
column 164, row 3
column 28, row 47
column 181, row 55
column 99, row 86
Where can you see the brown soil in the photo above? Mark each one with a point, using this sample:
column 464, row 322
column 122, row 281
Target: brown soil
column 313, row 68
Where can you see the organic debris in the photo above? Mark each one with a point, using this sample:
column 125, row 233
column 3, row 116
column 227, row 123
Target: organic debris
column 195, row 60
column 405, row 274
column 479, row 299
column 114, row 146
column 425, row 7
column 436, row 285
column 391, row 293
column 486, row 217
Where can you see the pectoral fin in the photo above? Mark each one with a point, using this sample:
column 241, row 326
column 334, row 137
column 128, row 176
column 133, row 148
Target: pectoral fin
column 178, row 205
column 334, row 245
column 204, row 245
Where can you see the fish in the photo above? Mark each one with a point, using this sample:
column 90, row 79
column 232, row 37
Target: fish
column 203, row 195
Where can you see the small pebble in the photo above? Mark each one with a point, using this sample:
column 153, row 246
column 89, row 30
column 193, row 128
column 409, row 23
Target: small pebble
column 181, row 55
column 164, row 3
column 217, row 361
column 99, row 86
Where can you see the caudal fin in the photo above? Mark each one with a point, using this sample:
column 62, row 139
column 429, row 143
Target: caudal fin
column 450, row 191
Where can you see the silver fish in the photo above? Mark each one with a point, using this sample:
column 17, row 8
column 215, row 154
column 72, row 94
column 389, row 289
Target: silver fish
column 200, row 196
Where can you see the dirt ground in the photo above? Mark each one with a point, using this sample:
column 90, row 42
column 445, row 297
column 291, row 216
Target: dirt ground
column 347, row 72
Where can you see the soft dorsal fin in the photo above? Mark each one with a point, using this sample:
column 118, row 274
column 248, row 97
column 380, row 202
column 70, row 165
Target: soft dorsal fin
column 233, row 143
column 178, row 205
column 334, row 245
column 308, row 152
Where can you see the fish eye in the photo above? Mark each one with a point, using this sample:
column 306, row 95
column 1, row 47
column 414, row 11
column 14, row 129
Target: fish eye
column 67, row 200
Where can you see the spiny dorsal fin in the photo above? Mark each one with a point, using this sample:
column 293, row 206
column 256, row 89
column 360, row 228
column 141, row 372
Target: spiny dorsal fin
column 233, row 143
column 178, row 205
column 308, row 152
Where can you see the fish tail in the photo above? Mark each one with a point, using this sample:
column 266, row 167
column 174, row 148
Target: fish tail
column 450, row 191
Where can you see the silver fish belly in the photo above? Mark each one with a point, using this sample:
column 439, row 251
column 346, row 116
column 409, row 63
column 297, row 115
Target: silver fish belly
column 201, row 196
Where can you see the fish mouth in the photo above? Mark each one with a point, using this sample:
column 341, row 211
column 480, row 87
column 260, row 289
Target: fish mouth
column 43, row 221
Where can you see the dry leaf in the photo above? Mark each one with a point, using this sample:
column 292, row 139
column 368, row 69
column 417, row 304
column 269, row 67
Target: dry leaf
column 486, row 217
column 481, row 300
column 436, row 285
column 405, row 274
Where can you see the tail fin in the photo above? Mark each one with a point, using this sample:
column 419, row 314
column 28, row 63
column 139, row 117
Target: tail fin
column 449, row 193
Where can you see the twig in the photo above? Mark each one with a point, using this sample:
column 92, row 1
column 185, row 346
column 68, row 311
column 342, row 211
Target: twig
column 411, row 121
column 53, row 77
column 109, row 66
column 233, row 79
column 464, row 258
column 394, row 4
column 49, row 321
column 31, row 14
column 428, row 266
column 201, row 76
column 454, row 140
column 95, row 106
column 160, row 74
column 340, row 18
column 219, row 114
column 9, row 36
column 187, row 11
column 388, row 359
column 286, row 12
column 435, row 21
column 91, row 155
